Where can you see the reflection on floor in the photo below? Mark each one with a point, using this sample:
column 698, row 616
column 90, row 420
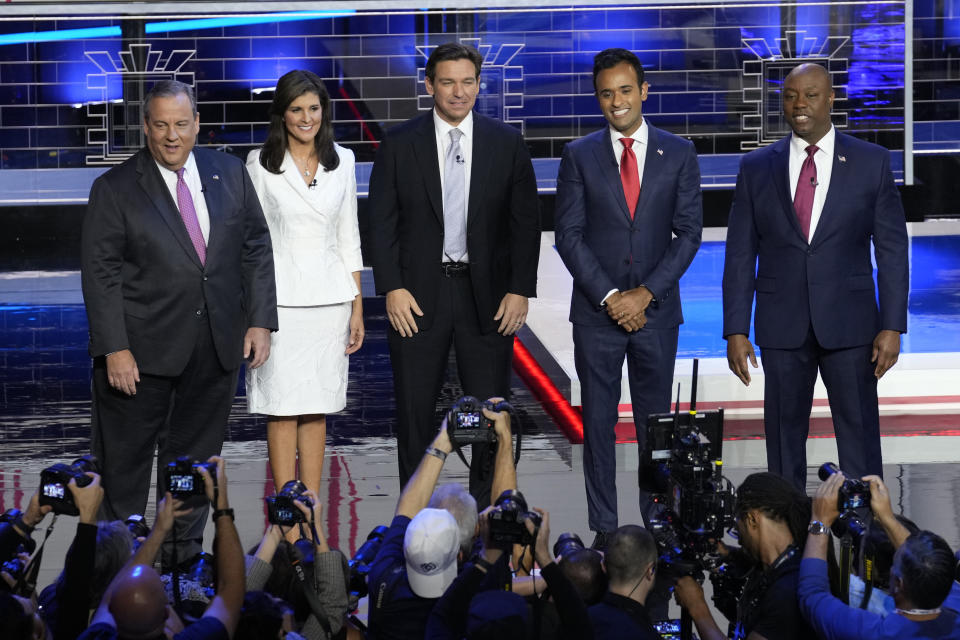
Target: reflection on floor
column 44, row 417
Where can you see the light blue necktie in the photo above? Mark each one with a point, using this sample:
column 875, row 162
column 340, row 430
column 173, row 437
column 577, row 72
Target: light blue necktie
column 454, row 200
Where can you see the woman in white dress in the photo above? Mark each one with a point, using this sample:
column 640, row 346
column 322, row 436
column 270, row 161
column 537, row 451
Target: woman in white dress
column 308, row 190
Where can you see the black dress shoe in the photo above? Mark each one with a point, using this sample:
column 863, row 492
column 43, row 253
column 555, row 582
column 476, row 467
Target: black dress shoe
column 600, row 541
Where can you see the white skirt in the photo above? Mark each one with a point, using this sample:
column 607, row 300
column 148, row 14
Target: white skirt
column 307, row 368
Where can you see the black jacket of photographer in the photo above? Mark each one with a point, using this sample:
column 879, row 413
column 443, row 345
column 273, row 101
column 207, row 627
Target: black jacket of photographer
column 617, row 617
column 769, row 605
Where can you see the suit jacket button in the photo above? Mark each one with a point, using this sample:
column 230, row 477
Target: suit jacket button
column 205, row 278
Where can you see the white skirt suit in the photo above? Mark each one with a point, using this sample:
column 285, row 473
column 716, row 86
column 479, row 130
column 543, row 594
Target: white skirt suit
column 316, row 249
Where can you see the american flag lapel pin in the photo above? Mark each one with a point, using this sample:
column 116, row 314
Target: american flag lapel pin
column 841, row 158
column 660, row 151
column 216, row 176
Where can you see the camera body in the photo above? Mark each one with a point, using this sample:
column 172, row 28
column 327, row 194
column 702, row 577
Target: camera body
column 359, row 564
column 280, row 508
column 137, row 525
column 466, row 423
column 183, row 479
column 853, row 499
column 55, row 478
column 507, row 521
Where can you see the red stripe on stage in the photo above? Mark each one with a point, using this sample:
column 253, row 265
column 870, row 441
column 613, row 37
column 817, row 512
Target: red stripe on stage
column 568, row 418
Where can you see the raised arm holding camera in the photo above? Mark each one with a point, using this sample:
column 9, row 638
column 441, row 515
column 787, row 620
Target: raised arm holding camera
column 921, row 578
column 135, row 603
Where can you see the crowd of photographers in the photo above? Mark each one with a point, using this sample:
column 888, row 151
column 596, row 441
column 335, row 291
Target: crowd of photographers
column 441, row 570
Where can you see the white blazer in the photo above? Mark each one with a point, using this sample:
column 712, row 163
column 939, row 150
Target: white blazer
column 315, row 233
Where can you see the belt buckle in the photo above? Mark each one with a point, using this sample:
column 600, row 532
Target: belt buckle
column 453, row 269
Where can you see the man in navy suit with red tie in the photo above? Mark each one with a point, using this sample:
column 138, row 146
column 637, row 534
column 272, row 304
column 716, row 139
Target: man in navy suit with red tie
column 628, row 224
column 805, row 212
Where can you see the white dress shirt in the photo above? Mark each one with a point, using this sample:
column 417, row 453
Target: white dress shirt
column 442, row 129
column 192, row 177
column 640, row 137
column 823, row 159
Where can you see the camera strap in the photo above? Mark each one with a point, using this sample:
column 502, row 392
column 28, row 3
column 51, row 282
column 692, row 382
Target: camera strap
column 310, row 592
column 28, row 578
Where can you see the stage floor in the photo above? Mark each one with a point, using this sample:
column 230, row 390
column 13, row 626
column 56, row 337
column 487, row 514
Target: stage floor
column 45, row 405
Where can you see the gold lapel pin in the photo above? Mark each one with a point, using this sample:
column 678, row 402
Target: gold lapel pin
column 841, row 159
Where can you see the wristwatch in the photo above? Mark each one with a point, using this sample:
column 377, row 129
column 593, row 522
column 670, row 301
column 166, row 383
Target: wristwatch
column 817, row 528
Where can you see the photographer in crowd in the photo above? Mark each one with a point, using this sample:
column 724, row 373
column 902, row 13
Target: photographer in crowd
column 326, row 576
column 135, row 603
column 631, row 564
column 74, row 594
column 419, row 556
column 772, row 517
column 921, row 578
column 467, row 611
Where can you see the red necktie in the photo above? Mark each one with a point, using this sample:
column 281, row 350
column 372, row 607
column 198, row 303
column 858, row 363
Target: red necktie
column 806, row 188
column 629, row 175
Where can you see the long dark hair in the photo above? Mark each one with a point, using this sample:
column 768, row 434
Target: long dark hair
column 777, row 498
column 291, row 86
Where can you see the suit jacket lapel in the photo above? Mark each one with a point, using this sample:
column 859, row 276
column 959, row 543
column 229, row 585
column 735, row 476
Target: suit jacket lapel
column 781, row 181
column 159, row 196
column 212, row 183
column 480, row 160
column 425, row 150
column 652, row 164
column 838, row 178
column 603, row 151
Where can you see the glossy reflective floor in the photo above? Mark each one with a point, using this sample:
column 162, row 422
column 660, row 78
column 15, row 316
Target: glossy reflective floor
column 44, row 417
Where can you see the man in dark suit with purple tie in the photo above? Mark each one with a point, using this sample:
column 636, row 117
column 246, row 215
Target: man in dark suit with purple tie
column 805, row 212
column 628, row 224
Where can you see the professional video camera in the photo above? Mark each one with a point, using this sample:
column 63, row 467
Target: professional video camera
column 507, row 520
column 853, row 496
column 694, row 502
column 359, row 564
column 280, row 508
column 55, row 478
column 183, row 479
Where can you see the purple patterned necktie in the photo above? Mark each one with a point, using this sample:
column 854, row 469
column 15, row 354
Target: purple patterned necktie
column 806, row 188
column 189, row 215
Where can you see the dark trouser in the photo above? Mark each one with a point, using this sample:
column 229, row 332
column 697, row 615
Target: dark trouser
column 598, row 353
column 789, row 377
column 419, row 368
column 183, row 415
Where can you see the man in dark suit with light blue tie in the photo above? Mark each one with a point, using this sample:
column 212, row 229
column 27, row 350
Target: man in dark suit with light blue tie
column 805, row 212
column 628, row 224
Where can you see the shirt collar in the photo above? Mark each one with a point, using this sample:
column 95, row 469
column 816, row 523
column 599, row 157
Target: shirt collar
column 639, row 136
column 190, row 165
column 442, row 127
column 798, row 146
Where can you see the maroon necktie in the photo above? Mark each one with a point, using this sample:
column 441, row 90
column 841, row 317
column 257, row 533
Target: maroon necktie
column 629, row 175
column 806, row 188
column 189, row 215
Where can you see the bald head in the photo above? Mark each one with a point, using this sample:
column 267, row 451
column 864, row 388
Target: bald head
column 807, row 101
column 139, row 603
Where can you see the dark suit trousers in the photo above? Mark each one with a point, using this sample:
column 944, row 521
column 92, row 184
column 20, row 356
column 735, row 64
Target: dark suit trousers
column 598, row 354
column 419, row 368
column 184, row 415
column 789, row 378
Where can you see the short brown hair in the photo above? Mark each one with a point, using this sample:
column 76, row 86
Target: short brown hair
column 452, row 51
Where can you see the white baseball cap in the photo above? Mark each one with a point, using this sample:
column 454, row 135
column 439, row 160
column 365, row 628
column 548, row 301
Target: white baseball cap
column 430, row 548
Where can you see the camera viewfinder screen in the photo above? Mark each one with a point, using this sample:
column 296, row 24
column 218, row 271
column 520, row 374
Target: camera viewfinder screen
column 856, row 500
column 54, row 490
column 469, row 420
column 285, row 514
column 181, row 483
